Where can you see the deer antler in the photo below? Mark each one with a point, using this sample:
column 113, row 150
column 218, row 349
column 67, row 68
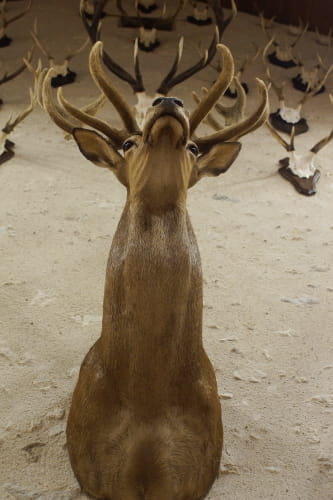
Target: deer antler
column 300, row 35
column 77, row 51
column 10, row 76
column 39, row 44
column 287, row 146
column 171, row 79
column 324, row 40
column 11, row 124
column 249, row 124
column 5, row 21
column 323, row 142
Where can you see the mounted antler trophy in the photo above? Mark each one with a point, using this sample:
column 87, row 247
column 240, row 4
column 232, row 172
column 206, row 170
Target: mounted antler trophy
column 309, row 79
column 282, row 54
column 300, row 169
column 63, row 74
column 231, row 114
column 200, row 15
column 287, row 118
column 145, row 417
column 6, row 21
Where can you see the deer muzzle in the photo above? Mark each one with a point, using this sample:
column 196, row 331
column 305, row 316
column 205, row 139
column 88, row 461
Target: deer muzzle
column 166, row 118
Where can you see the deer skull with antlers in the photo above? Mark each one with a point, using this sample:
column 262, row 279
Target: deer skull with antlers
column 128, row 402
column 63, row 74
column 308, row 80
column 285, row 118
column 300, row 169
column 282, row 54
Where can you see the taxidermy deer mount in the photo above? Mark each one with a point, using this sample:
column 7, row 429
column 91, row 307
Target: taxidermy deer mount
column 145, row 419
column 63, row 74
column 300, row 169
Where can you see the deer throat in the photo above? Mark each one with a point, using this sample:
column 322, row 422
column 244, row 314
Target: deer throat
column 152, row 319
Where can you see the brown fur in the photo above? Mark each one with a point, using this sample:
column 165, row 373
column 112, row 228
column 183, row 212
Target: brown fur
column 145, row 421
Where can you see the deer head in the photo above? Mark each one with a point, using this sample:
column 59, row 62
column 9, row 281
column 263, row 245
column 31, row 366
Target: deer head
column 164, row 157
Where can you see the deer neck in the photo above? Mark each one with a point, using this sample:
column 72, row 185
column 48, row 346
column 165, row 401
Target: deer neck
column 152, row 321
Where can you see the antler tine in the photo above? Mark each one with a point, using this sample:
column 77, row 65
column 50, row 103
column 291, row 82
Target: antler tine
column 17, row 16
column 181, row 5
column 10, row 125
column 323, row 142
column 39, row 43
column 116, row 136
column 249, row 60
column 217, row 89
column 222, row 23
column 78, row 51
column 287, row 146
column 249, row 124
column 57, row 113
column 320, row 38
column 7, row 77
column 209, row 120
column 317, row 87
column 300, row 36
column 277, row 89
column 263, row 26
column 171, row 80
column 93, row 31
column 102, row 81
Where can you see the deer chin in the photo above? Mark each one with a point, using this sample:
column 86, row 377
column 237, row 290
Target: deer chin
column 171, row 126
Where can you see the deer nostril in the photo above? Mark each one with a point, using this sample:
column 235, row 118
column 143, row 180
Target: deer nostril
column 178, row 102
column 157, row 101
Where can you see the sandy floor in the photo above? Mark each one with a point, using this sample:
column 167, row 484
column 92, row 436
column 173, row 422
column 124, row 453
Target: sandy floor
column 267, row 260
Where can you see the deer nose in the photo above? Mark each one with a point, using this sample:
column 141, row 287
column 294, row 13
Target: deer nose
column 166, row 100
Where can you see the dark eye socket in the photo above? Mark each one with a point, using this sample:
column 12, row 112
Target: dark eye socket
column 193, row 148
column 127, row 145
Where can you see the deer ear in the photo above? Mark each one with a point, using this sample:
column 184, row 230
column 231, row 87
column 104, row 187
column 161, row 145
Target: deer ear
column 217, row 161
column 96, row 149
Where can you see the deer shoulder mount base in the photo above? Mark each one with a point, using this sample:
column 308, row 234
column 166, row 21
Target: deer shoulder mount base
column 145, row 419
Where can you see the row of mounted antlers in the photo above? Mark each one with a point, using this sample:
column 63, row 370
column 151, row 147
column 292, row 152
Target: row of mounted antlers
column 285, row 119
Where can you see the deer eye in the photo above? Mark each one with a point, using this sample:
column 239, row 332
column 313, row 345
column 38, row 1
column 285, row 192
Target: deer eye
column 193, row 148
column 127, row 145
